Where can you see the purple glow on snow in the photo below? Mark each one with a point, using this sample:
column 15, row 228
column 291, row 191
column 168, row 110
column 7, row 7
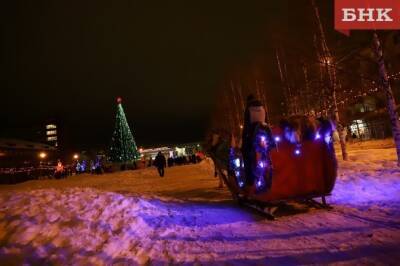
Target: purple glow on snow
column 365, row 217
column 317, row 136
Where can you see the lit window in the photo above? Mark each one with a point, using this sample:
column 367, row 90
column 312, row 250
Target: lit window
column 359, row 128
column 51, row 126
column 51, row 132
column 52, row 138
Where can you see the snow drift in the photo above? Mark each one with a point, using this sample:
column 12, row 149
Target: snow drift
column 137, row 218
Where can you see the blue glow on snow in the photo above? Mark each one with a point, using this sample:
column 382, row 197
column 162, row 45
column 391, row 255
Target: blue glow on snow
column 317, row 136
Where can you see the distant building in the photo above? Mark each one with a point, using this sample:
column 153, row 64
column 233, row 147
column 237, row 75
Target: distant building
column 368, row 119
column 172, row 151
column 17, row 153
column 152, row 152
column 51, row 134
column 187, row 149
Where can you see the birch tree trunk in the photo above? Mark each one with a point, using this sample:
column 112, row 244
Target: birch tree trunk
column 330, row 67
column 390, row 101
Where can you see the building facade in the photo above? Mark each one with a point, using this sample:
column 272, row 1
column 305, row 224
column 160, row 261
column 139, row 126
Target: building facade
column 368, row 119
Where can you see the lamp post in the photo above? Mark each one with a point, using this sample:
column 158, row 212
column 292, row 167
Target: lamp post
column 42, row 156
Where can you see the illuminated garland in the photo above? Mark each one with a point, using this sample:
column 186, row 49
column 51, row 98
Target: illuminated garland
column 123, row 147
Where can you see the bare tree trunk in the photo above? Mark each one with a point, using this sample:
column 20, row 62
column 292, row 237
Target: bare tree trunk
column 307, row 108
column 264, row 99
column 258, row 95
column 284, row 84
column 290, row 95
column 242, row 107
column 341, row 130
column 228, row 113
column 329, row 63
column 321, row 99
column 236, row 109
column 390, row 101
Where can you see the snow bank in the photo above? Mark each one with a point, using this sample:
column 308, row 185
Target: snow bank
column 138, row 218
column 370, row 175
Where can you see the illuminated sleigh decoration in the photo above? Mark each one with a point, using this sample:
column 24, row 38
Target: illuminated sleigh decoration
column 282, row 167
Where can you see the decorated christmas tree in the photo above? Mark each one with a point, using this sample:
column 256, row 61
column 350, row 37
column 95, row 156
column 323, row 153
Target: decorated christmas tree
column 123, row 147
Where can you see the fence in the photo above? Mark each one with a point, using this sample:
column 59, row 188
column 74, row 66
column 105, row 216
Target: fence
column 17, row 175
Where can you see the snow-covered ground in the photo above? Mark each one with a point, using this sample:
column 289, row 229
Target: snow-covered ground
column 136, row 217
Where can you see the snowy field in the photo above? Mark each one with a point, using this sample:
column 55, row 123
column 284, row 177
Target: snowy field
column 138, row 218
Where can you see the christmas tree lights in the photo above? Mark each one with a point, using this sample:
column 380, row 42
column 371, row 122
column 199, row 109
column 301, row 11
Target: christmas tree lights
column 123, row 147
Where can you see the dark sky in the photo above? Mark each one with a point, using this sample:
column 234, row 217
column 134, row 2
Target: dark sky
column 70, row 59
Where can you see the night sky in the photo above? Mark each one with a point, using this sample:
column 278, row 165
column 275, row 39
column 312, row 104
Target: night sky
column 69, row 60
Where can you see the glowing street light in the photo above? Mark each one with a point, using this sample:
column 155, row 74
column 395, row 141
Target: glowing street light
column 42, row 155
column 327, row 60
column 76, row 156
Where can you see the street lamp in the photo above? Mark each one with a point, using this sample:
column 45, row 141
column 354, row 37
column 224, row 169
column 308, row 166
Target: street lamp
column 327, row 60
column 76, row 156
column 42, row 156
